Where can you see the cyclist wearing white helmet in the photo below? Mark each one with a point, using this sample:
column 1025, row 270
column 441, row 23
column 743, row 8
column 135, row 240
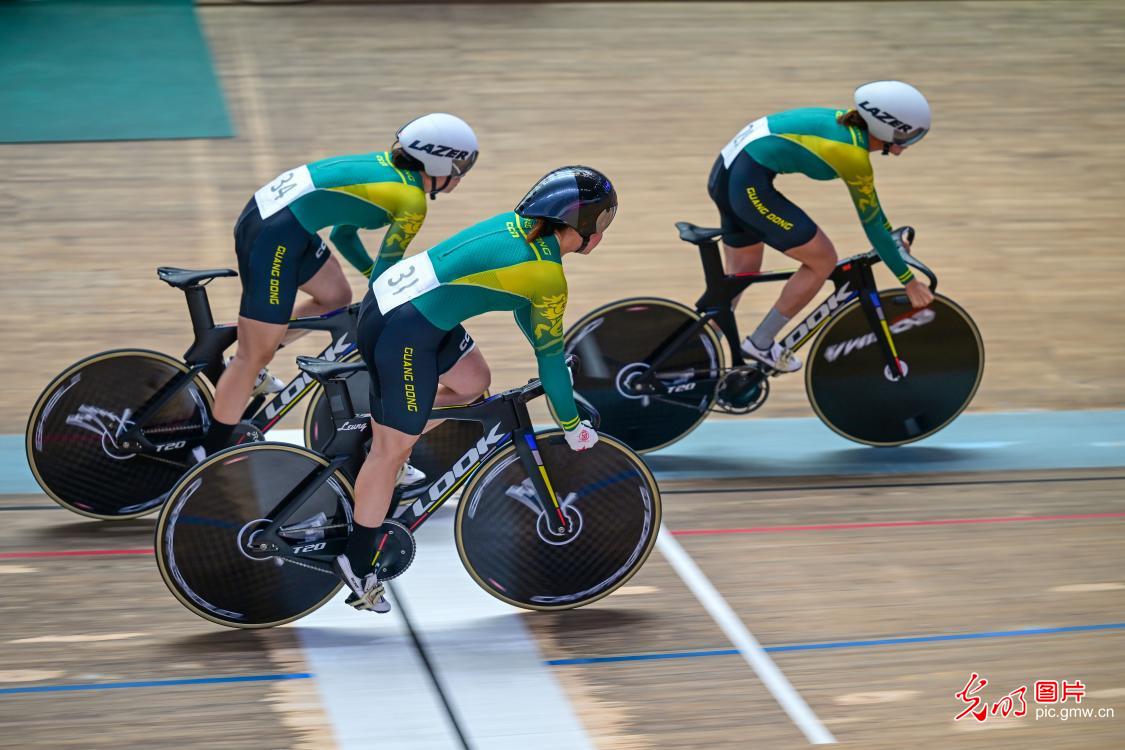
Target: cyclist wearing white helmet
column 823, row 144
column 280, row 252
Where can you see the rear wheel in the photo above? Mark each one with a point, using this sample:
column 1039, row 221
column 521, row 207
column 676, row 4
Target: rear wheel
column 75, row 425
column 612, row 343
column 205, row 532
column 853, row 391
column 612, row 507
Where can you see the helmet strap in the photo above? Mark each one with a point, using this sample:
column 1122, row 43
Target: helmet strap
column 886, row 148
column 585, row 242
column 434, row 189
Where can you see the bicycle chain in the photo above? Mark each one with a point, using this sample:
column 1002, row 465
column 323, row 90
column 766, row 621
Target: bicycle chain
column 157, row 430
column 286, row 560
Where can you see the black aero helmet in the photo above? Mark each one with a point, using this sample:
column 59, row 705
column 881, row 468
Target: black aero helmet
column 580, row 197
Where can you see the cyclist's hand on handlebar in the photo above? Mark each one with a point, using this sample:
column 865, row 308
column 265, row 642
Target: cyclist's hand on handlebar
column 919, row 294
column 581, row 437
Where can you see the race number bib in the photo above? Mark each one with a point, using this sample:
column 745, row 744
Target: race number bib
column 760, row 128
column 283, row 190
column 404, row 281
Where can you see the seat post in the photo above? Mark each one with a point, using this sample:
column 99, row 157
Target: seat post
column 199, row 308
column 713, row 272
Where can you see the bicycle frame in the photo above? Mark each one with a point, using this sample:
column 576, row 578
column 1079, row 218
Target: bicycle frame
column 851, row 278
column 205, row 355
column 505, row 418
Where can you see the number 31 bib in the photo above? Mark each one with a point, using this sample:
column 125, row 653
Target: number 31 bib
column 404, row 281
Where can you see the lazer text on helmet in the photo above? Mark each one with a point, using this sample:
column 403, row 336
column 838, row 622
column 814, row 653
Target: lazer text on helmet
column 437, row 150
column 887, row 117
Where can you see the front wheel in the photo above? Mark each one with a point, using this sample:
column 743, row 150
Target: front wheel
column 74, row 430
column 854, row 392
column 613, row 343
column 612, row 507
column 206, row 531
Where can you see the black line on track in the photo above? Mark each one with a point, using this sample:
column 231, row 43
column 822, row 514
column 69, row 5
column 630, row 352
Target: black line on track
column 30, row 507
column 418, row 645
column 889, row 485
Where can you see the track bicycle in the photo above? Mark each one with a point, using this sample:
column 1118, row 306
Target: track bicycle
column 248, row 536
column 112, row 433
column 879, row 372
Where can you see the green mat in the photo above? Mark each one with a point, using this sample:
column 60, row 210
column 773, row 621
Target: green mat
column 106, row 71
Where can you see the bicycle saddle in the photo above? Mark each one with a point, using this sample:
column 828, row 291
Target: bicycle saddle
column 322, row 369
column 182, row 277
column 696, row 235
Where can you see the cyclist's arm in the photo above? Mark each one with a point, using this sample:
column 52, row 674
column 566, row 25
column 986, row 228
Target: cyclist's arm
column 346, row 239
column 407, row 209
column 541, row 323
column 875, row 224
column 396, row 240
column 853, row 164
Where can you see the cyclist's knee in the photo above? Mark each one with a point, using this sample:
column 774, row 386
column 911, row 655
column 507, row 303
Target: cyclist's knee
column 819, row 254
column 335, row 297
column 391, row 445
column 254, row 357
column 257, row 343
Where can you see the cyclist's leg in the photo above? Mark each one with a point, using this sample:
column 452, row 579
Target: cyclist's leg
column 463, row 374
column 321, row 277
column 784, row 226
column 257, row 343
column 270, row 255
column 818, row 258
column 401, row 351
column 742, row 244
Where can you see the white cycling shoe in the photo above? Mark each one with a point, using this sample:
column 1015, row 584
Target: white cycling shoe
column 409, row 475
column 267, row 382
column 776, row 358
column 367, row 592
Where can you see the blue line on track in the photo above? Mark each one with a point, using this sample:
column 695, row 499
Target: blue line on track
column 842, row 644
column 157, row 683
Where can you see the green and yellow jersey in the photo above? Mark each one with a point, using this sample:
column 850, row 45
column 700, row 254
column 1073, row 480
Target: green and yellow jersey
column 811, row 142
column 349, row 193
column 488, row 267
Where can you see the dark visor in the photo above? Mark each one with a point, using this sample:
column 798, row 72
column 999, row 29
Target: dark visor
column 461, row 166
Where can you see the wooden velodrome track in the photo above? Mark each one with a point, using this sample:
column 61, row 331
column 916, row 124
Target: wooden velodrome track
column 1013, row 195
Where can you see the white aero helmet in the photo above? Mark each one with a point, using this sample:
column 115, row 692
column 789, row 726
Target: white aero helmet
column 895, row 112
column 444, row 144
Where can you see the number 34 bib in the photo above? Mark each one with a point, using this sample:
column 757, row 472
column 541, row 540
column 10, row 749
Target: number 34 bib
column 404, row 281
column 283, row 190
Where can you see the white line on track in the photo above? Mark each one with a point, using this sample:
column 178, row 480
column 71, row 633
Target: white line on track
column 377, row 691
column 772, row 677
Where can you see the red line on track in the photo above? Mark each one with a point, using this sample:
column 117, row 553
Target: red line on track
column 892, row 524
column 73, row 553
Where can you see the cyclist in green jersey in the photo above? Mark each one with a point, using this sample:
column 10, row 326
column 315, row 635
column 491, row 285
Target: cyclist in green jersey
column 823, row 144
column 280, row 252
column 408, row 335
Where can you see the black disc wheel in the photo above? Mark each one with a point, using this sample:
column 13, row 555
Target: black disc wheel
column 854, row 392
column 613, row 343
column 74, row 433
column 611, row 507
column 206, row 536
column 434, row 452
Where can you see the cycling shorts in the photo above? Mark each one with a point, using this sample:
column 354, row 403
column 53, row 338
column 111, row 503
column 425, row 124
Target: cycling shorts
column 275, row 257
column 752, row 209
column 406, row 354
